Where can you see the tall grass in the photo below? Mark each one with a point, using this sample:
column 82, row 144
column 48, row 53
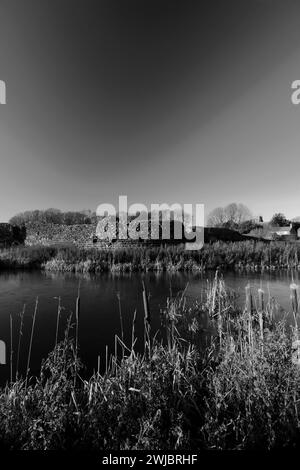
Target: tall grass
column 246, row 255
column 234, row 384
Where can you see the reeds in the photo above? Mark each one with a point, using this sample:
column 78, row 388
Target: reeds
column 147, row 319
column 121, row 319
column 240, row 391
column 59, row 308
column 246, row 255
column 11, row 348
column 31, row 339
column 20, row 339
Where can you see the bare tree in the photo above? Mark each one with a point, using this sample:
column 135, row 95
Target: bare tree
column 230, row 216
column 216, row 217
column 237, row 213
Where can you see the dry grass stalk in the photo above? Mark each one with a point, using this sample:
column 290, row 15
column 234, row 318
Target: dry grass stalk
column 31, row 339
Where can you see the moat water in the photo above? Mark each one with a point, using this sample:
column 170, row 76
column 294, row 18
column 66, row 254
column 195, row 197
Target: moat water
column 99, row 314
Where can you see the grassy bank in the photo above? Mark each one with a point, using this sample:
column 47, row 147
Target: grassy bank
column 242, row 391
column 247, row 255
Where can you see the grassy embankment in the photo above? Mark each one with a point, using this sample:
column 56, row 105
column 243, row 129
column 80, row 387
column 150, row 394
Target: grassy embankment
column 246, row 255
column 242, row 391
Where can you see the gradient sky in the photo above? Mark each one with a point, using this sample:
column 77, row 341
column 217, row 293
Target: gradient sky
column 160, row 100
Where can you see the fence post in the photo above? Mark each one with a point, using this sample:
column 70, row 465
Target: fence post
column 146, row 304
column 249, row 303
column 294, row 298
column 261, row 308
column 261, row 300
column 248, row 308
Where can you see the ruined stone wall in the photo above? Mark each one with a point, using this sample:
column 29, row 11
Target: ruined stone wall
column 55, row 234
column 82, row 236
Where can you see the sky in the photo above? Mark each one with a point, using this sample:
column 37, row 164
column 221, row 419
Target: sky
column 160, row 100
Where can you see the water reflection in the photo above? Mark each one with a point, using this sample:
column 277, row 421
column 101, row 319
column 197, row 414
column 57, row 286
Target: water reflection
column 99, row 319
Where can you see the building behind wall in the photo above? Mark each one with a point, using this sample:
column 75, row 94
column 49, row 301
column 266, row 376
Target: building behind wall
column 288, row 233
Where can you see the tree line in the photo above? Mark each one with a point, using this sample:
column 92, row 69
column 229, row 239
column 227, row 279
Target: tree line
column 233, row 216
column 54, row 216
column 239, row 217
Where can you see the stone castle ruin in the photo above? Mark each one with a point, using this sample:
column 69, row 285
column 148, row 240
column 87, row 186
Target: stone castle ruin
column 85, row 236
